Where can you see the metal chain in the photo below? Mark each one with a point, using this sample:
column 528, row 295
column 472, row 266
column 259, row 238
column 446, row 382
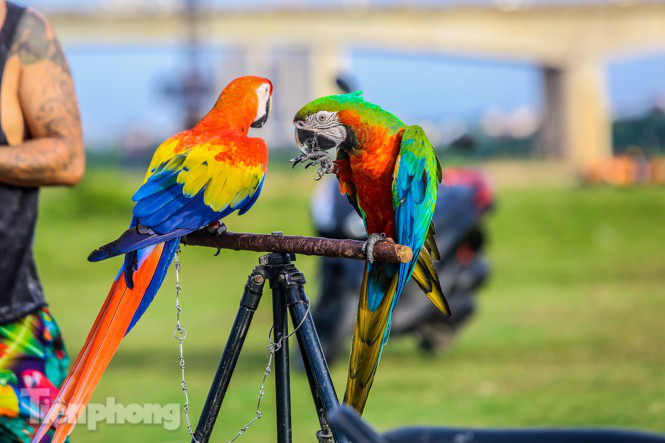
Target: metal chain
column 272, row 348
column 180, row 334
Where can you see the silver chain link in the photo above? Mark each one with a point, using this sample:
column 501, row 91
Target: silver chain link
column 180, row 334
column 272, row 348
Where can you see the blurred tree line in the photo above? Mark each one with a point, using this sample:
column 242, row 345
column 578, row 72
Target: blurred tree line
column 645, row 132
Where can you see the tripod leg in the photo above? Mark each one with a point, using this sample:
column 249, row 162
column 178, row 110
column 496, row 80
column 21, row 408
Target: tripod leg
column 248, row 304
column 282, row 382
column 323, row 390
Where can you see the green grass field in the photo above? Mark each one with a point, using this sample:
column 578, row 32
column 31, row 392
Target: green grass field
column 569, row 331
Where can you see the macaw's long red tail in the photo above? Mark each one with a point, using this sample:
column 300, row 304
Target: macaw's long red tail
column 122, row 308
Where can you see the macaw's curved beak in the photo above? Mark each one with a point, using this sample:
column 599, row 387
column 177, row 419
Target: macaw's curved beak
column 310, row 141
column 305, row 139
column 262, row 121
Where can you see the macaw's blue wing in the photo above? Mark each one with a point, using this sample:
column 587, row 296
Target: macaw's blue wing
column 133, row 239
column 415, row 184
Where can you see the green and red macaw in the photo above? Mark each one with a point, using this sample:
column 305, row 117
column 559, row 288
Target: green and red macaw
column 196, row 178
column 390, row 174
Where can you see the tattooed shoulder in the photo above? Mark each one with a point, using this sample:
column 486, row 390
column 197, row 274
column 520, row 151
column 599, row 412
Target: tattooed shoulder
column 35, row 41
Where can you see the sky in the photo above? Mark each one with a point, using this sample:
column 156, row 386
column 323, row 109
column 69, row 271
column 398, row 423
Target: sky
column 120, row 86
column 244, row 4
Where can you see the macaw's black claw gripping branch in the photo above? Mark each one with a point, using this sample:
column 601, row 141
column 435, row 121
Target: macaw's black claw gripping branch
column 384, row 251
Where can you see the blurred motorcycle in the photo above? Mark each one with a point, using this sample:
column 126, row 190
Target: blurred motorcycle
column 464, row 200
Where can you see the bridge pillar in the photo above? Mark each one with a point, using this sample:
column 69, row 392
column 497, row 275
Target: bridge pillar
column 551, row 139
column 576, row 121
column 587, row 122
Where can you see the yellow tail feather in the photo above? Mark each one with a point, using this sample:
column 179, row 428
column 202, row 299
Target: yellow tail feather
column 368, row 341
column 425, row 275
column 430, row 243
column 369, row 334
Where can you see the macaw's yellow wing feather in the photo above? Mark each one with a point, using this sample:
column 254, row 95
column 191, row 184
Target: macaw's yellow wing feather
column 226, row 182
column 228, row 170
column 202, row 182
column 194, row 179
column 425, row 275
column 164, row 153
column 371, row 331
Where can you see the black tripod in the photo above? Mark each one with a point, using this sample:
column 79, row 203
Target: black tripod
column 288, row 293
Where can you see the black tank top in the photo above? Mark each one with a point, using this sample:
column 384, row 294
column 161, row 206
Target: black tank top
column 20, row 290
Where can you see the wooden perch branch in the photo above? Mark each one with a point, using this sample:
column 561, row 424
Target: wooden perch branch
column 384, row 251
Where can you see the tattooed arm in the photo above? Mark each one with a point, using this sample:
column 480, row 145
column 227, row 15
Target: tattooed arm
column 55, row 155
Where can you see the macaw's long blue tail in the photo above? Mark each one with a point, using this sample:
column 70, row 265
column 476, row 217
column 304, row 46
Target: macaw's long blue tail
column 121, row 310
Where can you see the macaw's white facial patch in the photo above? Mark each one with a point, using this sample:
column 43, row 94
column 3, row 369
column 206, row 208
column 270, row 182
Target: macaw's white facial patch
column 263, row 94
column 321, row 120
column 325, row 129
column 337, row 134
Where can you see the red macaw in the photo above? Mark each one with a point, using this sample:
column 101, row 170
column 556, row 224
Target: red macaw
column 196, row 178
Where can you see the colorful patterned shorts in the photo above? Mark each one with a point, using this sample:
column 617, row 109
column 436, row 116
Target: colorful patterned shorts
column 33, row 364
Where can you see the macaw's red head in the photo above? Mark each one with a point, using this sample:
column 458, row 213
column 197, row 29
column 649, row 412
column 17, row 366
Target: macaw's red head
column 248, row 98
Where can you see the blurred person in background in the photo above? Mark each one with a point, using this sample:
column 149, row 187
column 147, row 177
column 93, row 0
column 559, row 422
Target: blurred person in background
column 40, row 145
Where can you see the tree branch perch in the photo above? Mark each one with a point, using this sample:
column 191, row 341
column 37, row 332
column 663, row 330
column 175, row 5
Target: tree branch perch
column 384, row 251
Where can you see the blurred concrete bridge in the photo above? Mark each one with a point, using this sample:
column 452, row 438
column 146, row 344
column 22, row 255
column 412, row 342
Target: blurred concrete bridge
column 570, row 43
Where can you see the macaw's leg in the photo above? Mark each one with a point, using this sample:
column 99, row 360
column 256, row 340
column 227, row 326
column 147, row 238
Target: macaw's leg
column 316, row 157
column 372, row 240
column 218, row 227
column 143, row 230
